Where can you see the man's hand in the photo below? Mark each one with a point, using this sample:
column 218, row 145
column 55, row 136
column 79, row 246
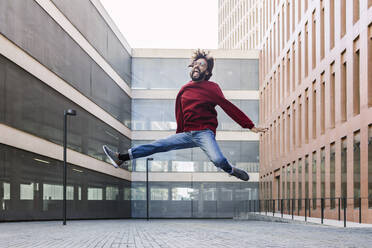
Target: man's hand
column 259, row 129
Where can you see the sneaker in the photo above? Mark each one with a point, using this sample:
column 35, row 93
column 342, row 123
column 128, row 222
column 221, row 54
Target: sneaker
column 241, row 174
column 113, row 156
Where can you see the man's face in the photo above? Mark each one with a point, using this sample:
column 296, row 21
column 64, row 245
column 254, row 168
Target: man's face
column 199, row 70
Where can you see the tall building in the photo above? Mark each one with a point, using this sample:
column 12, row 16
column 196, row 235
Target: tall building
column 65, row 54
column 315, row 98
column 184, row 183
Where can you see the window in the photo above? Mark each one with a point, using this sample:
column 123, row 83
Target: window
column 343, row 18
column 370, row 65
column 332, row 171
column 288, row 75
column 138, row 193
column 322, row 172
column 294, row 180
column 370, row 166
column 313, row 44
column 288, row 181
column 159, row 194
column 6, row 191
column 300, row 183
column 332, row 23
column 314, row 108
column 356, row 10
column 344, row 167
column 322, row 104
column 343, row 87
column 283, row 183
column 306, row 116
column 306, row 49
column 127, row 194
column 112, row 193
column 293, row 125
column 356, row 81
column 299, row 121
column 27, row 191
column 299, row 62
column 332, row 96
column 322, row 34
column 185, row 194
column 55, row 192
column 356, row 168
column 314, row 189
column 307, row 182
column 95, row 194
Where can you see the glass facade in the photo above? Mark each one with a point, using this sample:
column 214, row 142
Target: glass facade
column 31, row 188
column 32, row 106
column 86, row 18
column 64, row 57
column 190, row 199
column 243, row 154
column 158, row 115
column 173, row 73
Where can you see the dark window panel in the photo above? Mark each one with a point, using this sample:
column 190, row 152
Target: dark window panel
column 33, row 30
column 2, row 89
column 165, row 73
column 93, row 27
column 34, row 107
column 159, row 114
column 35, row 188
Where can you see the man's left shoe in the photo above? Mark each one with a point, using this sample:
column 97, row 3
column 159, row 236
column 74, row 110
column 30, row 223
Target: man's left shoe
column 113, row 156
column 241, row 174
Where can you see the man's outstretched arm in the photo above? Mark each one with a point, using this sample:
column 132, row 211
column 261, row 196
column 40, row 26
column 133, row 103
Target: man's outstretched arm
column 235, row 113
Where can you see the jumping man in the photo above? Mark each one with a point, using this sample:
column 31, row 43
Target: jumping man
column 196, row 120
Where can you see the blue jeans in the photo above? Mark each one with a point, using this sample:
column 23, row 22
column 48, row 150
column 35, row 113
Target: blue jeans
column 205, row 139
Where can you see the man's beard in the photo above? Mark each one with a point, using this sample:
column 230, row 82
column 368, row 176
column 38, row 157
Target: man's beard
column 197, row 78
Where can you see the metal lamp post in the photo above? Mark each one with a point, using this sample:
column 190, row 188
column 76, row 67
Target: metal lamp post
column 66, row 113
column 147, row 187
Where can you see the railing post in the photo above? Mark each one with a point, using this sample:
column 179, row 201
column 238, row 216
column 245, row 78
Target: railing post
column 310, row 207
column 273, row 207
column 339, row 208
column 305, row 209
column 322, row 209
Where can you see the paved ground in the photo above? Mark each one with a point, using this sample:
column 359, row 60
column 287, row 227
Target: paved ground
column 179, row 234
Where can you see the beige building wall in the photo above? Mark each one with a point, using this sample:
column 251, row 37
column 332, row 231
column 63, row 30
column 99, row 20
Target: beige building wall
column 315, row 97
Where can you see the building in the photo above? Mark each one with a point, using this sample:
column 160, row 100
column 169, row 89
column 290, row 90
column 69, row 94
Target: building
column 315, row 97
column 184, row 182
column 61, row 54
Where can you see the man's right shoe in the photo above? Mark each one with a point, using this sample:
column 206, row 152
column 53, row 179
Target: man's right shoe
column 241, row 174
column 113, row 156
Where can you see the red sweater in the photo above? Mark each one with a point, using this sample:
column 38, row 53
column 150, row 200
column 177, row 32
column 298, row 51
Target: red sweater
column 195, row 107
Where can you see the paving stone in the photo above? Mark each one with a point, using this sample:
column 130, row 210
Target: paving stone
column 179, row 234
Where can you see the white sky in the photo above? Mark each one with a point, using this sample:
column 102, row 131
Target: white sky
column 166, row 23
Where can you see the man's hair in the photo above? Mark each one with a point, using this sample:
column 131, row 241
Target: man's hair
column 202, row 54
